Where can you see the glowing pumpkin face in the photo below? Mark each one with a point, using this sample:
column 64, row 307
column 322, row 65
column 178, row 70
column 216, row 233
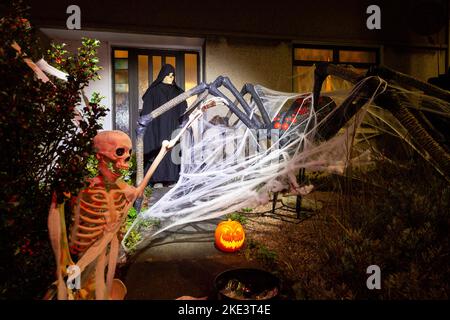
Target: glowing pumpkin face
column 229, row 236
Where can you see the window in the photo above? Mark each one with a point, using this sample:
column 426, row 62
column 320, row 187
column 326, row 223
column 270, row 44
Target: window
column 305, row 57
column 121, row 89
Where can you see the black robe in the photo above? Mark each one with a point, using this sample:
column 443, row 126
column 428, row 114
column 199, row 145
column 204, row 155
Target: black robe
column 162, row 127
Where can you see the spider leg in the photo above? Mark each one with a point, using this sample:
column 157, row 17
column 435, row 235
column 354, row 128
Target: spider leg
column 423, row 138
column 196, row 103
column 432, row 111
column 250, row 88
column 394, row 100
column 146, row 119
column 409, row 81
column 350, row 106
column 244, row 117
column 323, row 70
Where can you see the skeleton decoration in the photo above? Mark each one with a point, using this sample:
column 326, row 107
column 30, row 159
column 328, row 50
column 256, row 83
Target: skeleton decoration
column 242, row 159
column 99, row 212
column 104, row 204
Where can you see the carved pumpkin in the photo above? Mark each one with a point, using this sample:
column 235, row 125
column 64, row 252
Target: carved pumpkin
column 229, row 236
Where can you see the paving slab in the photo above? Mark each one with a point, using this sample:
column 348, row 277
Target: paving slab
column 180, row 262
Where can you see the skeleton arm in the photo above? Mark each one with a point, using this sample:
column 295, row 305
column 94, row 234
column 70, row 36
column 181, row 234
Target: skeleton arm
column 58, row 239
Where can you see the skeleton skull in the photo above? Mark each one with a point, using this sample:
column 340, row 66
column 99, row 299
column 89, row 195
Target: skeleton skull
column 113, row 150
column 169, row 78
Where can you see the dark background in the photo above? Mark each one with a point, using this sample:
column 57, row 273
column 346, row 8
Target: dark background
column 419, row 22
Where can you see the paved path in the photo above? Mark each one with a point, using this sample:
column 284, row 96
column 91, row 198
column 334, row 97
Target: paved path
column 182, row 261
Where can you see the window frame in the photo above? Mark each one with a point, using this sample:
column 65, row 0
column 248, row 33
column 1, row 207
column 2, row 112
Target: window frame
column 335, row 60
column 133, row 97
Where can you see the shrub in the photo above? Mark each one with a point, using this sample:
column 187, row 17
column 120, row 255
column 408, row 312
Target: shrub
column 47, row 136
column 399, row 220
column 239, row 217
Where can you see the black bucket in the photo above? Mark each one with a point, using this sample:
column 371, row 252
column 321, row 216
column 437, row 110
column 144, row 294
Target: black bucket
column 255, row 281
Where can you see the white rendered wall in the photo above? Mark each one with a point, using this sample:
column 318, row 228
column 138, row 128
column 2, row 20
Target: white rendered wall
column 265, row 63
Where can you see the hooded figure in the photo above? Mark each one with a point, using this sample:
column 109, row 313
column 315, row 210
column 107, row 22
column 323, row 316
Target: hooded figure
column 163, row 89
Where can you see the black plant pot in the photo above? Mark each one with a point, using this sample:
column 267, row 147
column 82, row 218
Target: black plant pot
column 256, row 279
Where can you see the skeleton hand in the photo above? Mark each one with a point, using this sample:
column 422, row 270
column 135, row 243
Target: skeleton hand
column 295, row 188
column 131, row 193
column 213, row 102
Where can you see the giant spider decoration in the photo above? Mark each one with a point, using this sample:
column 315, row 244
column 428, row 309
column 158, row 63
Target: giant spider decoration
column 426, row 120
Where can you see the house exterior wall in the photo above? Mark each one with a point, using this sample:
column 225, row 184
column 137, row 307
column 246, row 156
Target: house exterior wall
column 266, row 63
column 447, row 30
column 251, row 41
column 422, row 63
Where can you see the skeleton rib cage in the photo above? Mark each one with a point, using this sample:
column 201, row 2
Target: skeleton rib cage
column 95, row 211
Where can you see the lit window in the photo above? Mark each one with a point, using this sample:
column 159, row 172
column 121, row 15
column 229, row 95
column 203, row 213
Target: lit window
column 171, row 60
column 157, row 64
column 357, row 56
column 313, row 54
column 305, row 58
column 142, row 77
column 190, row 73
column 120, row 53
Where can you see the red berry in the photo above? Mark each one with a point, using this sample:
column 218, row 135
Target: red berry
column 303, row 111
column 285, row 126
column 277, row 125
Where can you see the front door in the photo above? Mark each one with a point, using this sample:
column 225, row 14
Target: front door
column 135, row 69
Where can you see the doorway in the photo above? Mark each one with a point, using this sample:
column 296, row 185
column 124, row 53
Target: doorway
column 135, row 69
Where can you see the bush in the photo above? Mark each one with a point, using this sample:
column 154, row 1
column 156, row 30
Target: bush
column 48, row 138
column 236, row 216
column 398, row 221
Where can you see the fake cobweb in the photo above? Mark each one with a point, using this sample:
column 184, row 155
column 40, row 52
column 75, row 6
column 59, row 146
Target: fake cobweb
column 225, row 169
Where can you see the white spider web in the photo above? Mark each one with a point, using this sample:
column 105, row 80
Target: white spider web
column 225, row 169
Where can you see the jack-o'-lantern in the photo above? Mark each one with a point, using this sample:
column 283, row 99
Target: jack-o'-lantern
column 229, row 236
